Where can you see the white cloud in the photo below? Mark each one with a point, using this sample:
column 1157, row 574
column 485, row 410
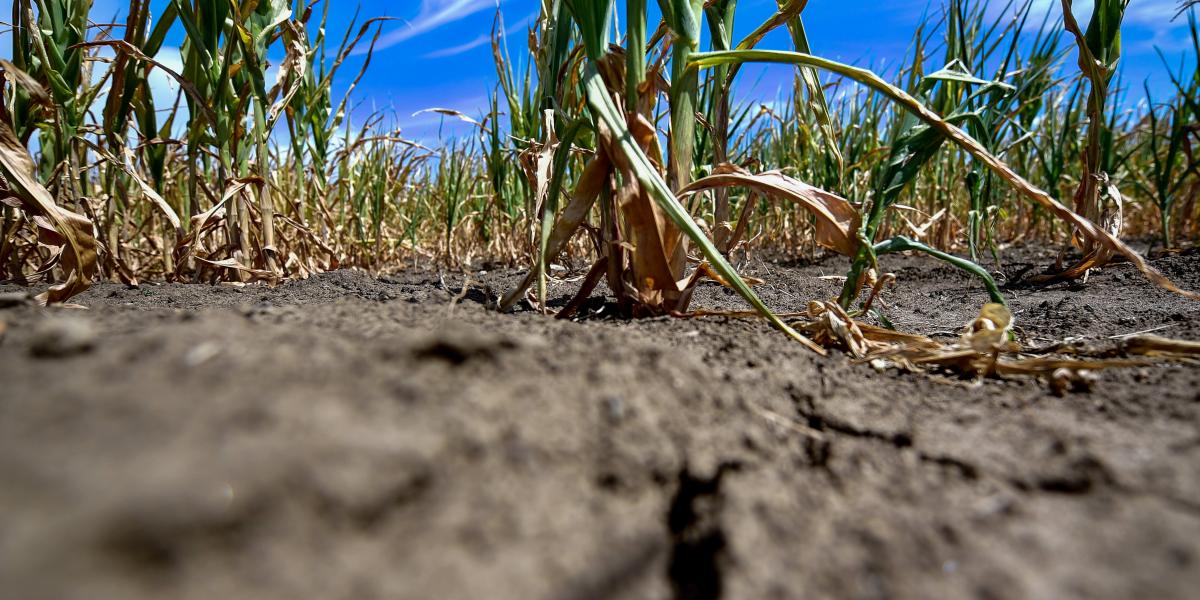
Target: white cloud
column 1146, row 13
column 1153, row 16
column 1153, row 13
column 432, row 15
column 163, row 87
column 481, row 40
column 1081, row 8
column 456, row 50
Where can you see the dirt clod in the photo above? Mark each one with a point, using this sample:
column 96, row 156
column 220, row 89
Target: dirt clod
column 457, row 345
column 11, row 299
column 59, row 337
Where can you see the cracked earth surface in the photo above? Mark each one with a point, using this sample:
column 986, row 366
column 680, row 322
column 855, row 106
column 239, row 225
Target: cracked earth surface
column 352, row 437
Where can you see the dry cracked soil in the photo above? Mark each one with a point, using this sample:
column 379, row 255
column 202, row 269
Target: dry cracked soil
column 357, row 437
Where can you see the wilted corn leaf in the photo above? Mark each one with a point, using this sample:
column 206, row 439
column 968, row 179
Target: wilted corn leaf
column 450, row 112
column 659, row 258
column 210, row 218
column 27, row 82
column 538, row 163
column 984, row 349
column 1138, row 345
column 148, row 191
column 587, row 189
column 71, row 234
column 601, row 103
column 292, row 70
column 837, row 221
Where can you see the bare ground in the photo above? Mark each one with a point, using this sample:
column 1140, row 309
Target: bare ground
column 348, row 437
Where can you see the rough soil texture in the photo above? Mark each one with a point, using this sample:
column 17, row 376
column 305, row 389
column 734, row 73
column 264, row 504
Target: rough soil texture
column 348, row 437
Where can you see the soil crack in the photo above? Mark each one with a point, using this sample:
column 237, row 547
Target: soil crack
column 806, row 408
column 697, row 537
column 965, row 469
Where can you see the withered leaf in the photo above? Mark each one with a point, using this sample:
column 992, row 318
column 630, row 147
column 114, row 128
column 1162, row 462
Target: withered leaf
column 837, row 221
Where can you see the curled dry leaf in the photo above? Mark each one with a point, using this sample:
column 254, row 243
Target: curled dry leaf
column 659, row 259
column 71, row 235
column 450, row 112
column 587, row 189
column 837, row 221
column 292, row 69
column 36, row 92
column 203, row 222
column 989, row 331
column 984, row 349
column 831, row 326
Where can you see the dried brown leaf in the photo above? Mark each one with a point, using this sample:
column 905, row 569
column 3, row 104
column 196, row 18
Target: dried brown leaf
column 837, row 221
column 659, row 258
column 292, row 69
column 1153, row 345
column 587, row 189
column 27, row 82
column 202, row 222
column 229, row 263
column 72, row 233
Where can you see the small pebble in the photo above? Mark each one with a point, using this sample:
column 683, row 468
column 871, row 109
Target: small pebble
column 58, row 337
column 615, row 408
column 201, row 354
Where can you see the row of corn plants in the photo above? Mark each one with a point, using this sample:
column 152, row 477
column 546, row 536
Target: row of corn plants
column 620, row 145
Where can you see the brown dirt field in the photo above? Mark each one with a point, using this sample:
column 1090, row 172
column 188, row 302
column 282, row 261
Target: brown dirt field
column 351, row 437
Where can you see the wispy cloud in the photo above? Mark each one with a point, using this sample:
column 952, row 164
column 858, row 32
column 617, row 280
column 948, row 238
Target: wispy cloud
column 1154, row 13
column 479, row 41
column 1153, row 17
column 1148, row 13
column 461, row 48
column 432, row 15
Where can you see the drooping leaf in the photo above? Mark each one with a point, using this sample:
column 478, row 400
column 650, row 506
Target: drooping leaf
column 71, row 232
column 837, row 220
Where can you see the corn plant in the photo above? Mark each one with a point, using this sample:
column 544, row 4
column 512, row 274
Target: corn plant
column 1099, row 50
column 1168, row 144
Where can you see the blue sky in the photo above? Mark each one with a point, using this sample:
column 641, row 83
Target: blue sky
column 436, row 54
